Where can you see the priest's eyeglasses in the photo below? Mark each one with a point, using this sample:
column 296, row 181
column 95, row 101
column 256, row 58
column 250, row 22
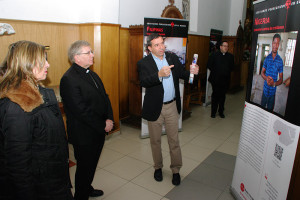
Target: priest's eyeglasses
column 87, row 53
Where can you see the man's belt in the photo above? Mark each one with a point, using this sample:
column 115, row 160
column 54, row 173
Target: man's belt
column 168, row 102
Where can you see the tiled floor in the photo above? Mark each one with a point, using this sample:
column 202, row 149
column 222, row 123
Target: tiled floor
column 211, row 180
column 209, row 147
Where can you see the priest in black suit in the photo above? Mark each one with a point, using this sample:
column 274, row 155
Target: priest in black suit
column 159, row 73
column 89, row 116
column 220, row 64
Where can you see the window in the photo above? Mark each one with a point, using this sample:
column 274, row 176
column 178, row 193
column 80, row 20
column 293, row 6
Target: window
column 266, row 50
column 256, row 53
column 289, row 54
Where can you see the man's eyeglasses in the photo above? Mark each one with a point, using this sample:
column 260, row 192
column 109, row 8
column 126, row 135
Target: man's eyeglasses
column 87, row 53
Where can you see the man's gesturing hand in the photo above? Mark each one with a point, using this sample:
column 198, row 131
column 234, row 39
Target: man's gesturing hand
column 165, row 71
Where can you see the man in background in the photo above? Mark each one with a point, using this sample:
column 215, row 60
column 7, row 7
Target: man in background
column 272, row 73
column 89, row 116
column 220, row 64
column 159, row 73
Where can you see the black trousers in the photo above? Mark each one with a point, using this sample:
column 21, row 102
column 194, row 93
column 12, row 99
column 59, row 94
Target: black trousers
column 87, row 157
column 218, row 99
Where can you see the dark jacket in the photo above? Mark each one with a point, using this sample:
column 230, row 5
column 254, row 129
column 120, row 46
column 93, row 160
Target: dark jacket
column 87, row 107
column 33, row 146
column 148, row 74
column 220, row 67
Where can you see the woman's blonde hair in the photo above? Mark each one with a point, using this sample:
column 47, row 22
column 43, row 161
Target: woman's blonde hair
column 19, row 62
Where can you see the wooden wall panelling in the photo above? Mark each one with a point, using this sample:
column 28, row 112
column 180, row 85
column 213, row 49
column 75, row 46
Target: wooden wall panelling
column 91, row 33
column 109, row 65
column 58, row 36
column 244, row 72
column 104, row 40
column 200, row 45
column 123, row 73
column 197, row 44
column 136, row 53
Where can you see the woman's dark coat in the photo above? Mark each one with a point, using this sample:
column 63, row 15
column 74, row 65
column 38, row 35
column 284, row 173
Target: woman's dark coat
column 33, row 146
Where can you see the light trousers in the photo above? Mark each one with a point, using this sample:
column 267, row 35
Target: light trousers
column 169, row 116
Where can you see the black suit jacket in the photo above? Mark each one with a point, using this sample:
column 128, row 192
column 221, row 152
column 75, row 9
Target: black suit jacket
column 148, row 74
column 86, row 106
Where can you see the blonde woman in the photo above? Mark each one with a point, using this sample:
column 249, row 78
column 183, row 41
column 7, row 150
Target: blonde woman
column 33, row 144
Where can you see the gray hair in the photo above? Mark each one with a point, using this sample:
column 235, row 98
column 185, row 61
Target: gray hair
column 75, row 49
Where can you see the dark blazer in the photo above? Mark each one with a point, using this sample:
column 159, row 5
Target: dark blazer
column 148, row 74
column 86, row 106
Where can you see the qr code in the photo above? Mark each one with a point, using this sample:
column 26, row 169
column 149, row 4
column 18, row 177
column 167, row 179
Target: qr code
column 278, row 152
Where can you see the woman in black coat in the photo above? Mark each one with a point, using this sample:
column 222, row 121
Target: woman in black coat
column 33, row 144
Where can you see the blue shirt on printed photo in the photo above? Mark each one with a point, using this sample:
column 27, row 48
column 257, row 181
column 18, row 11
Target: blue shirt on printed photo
column 273, row 68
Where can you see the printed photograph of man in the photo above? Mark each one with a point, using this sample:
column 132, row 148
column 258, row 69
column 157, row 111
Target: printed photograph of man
column 272, row 70
column 272, row 73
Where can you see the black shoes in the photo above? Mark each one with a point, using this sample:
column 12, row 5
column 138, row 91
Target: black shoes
column 96, row 193
column 222, row 115
column 158, row 175
column 176, row 179
column 214, row 115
